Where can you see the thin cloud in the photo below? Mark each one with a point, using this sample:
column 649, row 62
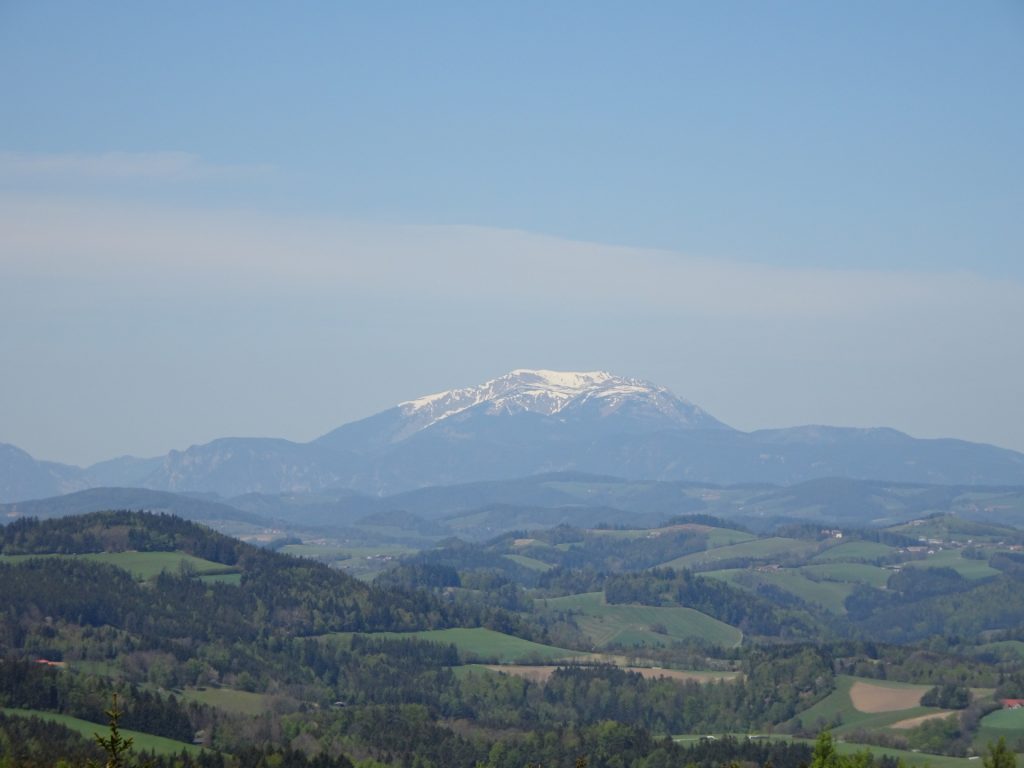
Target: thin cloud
column 256, row 296
column 244, row 251
column 119, row 166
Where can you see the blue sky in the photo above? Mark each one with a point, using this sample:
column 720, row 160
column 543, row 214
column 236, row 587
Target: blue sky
column 257, row 218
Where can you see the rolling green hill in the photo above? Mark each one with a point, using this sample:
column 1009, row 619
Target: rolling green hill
column 629, row 625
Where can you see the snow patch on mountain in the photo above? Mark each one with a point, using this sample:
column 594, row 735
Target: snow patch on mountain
column 554, row 392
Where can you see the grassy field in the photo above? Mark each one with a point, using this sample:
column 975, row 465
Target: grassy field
column 952, row 527
column 850, row 573
column 908, row 758
column 629, row 625
column 838, row 707
column 142, row 565
column 951, row 558
column 236, row 702
column 828, row 594
column 854, row 551
column 529, row 562
column 758, row 549
column 1006, row 723
column 485, row 644
column 142, row 741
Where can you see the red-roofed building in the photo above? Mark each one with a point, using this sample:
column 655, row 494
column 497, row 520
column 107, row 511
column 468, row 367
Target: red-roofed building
column 1012, row 703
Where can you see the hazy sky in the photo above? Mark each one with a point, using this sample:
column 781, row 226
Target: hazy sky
column 270, row 219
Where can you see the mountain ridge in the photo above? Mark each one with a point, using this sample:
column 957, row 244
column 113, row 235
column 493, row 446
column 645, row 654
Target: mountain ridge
column 527, row 422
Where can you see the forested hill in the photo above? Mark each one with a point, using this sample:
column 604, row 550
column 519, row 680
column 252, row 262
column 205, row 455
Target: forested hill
column 217, row 588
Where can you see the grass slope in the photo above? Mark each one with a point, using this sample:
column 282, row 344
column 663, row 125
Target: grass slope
column 629, row 625
column 141, row 741
column 850, row 573
column 230, row 700
column 907, row 758
column 485, row 644
column 756, row 549
column 142, row 565
column 1005, row 723
column 827, row 594
column 837, row 708
column 854, row 551
column 951, row 558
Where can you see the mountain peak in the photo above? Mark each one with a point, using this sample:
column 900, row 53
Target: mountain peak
column 556, row 392
column 568, row 379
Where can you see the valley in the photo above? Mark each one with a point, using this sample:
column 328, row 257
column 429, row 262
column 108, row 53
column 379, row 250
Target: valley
column 698, row 624
column 656, row 619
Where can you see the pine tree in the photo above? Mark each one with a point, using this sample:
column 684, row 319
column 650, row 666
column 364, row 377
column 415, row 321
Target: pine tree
column 115, row 745
column 825, row 752
column 1000, row 756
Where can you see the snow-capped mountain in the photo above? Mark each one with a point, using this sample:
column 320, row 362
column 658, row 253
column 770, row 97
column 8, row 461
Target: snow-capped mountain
column 529, row 422
column 552, row 393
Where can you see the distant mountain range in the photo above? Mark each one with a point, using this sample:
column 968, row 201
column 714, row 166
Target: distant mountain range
column 482, row 510
column 102, row 499
column 525, row 423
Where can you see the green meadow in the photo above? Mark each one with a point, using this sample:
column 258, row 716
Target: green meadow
column 827, row 594
column 482, row 644
column 630, row 625
column 1005, row 723
column 756, row 549
column 529, row 562
column 143, row 565
column 951, row 558
column 143, row 742
column 850, row 573
column 854, row 551
column 907, row 757
column 838, row 711
column 230, row 700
